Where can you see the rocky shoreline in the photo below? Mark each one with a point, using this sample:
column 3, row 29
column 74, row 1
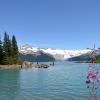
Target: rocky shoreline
column 10, row 66
column 25, row 65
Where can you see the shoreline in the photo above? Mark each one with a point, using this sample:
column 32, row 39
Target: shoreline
column 14, row 66
column 86, row 62
column 24, row 66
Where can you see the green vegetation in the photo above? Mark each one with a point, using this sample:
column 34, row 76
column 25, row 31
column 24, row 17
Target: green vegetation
column 90, row 60
column 9, row 51
column 97, row 60
column 1, row 52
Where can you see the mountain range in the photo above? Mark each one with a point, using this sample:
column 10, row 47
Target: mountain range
column 86, row 56
column 31, row 53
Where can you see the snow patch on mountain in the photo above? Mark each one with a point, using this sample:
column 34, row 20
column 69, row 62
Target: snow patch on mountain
column 58, row 54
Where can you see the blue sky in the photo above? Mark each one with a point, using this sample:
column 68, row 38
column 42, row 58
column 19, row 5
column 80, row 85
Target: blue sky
column 63, row 24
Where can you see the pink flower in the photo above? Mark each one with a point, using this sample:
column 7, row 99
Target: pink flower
column 98, row 80
column 88, row 81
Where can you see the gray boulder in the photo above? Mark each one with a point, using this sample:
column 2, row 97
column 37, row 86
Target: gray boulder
column 27, row 64
column 41, row 66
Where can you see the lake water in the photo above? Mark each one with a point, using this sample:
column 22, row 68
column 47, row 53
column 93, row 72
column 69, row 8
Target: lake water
column 64, row 81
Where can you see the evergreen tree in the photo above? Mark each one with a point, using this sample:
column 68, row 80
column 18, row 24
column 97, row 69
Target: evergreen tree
column 1, row 52
column 7, row 49
column 15, row 52
column 5, row 44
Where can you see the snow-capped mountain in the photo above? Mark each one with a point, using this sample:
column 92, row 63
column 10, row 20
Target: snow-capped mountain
column 58, row 54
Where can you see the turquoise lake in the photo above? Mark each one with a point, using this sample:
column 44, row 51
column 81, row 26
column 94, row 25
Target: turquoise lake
column 64, row 81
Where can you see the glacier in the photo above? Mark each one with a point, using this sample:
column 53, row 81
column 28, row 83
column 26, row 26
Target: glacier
column 58, row 54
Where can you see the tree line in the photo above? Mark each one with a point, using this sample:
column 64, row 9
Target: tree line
column 9, row 50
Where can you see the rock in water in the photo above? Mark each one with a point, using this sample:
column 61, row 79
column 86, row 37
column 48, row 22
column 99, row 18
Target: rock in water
column 27, row 64
column 41, row 66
